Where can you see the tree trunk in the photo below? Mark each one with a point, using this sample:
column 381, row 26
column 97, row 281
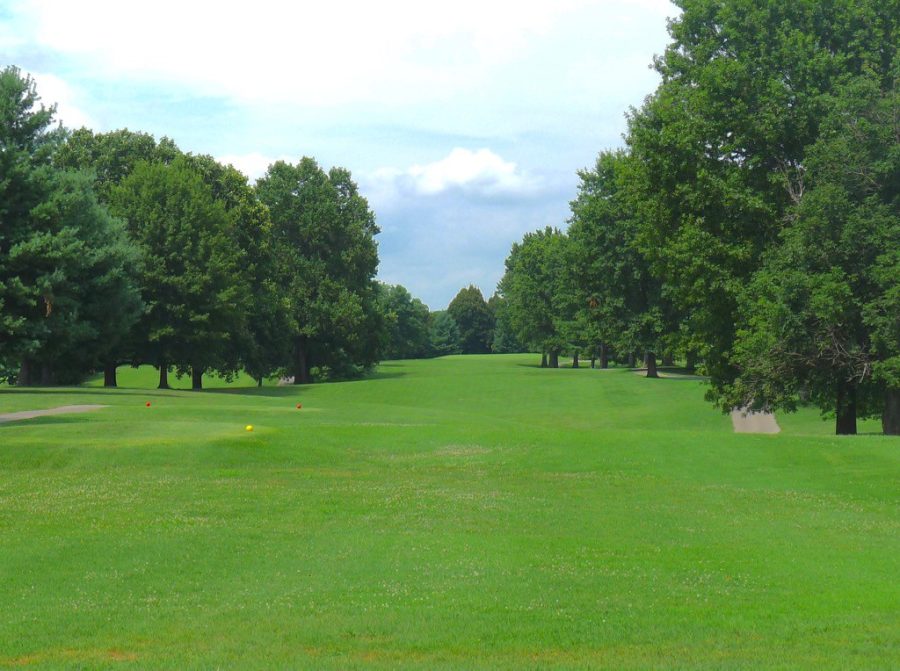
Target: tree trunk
column 691, row 363
column 890, row 418
column 668, row 359
column 604, row 355
column 845, row 423
column 109, row 374
column 575, row 360
column 631, row 360
column 650, row 360
column 301, row 363
column 47, row 377
column 196, row 378
column 543, row 359
column 163, row 375
column 24, row 377
column 553, row 359
column 593, row 361
column 259, row 381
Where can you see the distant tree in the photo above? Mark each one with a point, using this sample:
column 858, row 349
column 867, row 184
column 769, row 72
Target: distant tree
column 532, row 287
column 474, row 319
column 504, row 340
column 406, row 323
column 445, row 337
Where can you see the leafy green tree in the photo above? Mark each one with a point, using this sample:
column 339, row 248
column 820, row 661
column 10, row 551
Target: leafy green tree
column 189, row 272
column 617, row 294
column 503, row 340
column 406, row 323
column 444, row 335
column 474, row 319
column 723, row 143
column 823, row 319
column 111, row 157
column 532, row 285
column 63, row 260
column 324, row 233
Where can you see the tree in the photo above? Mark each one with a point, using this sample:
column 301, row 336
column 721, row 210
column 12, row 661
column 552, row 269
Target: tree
column 189, row 272
column 474, row 319
column 324, row 233
column 444, row 334
column 63, row 260
column 532, row 285
column 823, row 319
column 406, row 323
column 723, row 143
column 503, row 340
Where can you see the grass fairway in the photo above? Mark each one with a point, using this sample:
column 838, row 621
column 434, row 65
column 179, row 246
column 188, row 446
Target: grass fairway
column 466, row 512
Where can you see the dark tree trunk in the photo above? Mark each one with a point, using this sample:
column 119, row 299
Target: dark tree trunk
column 890, row 418
column 845, row 423
column 553, row 359
column 23, row 379
column 163, row 375
column 593, row 361
column 668, row 359
column 109, row 374
column 575, row 360
column 604, row 356
column 196, row 378
column 47, row 377
column 631, row 360
column 691, row 363
column 301, row 362
column 543, row 359
column 650, row 361
column 259, row 381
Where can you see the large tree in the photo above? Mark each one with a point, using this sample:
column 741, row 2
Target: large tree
column 723, row 142
column 64, row 262
column 190, row 268
column 325, row 232
column 407, row 325
column 823, row 315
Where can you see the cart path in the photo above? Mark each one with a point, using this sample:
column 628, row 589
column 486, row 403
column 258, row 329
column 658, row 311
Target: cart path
column 61, row 410
column 749, row 421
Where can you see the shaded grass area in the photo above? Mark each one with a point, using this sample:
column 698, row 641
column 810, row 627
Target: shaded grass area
column 473, row 512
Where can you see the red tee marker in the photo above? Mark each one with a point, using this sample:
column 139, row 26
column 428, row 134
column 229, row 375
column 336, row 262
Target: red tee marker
column 148, row 404
column 299, row 406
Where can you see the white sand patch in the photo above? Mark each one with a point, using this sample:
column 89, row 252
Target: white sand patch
column 749, row 421
column 61, row 410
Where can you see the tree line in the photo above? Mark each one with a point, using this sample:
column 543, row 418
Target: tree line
column 752, row 220
column 119, row 249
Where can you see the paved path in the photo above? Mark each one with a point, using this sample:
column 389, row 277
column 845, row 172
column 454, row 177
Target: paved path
column 745, row 421
column 62, row 410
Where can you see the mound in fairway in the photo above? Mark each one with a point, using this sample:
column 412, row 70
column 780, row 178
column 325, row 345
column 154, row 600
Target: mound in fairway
column 465, row 512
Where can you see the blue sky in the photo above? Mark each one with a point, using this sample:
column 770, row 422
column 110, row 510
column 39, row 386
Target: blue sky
column 464, row 123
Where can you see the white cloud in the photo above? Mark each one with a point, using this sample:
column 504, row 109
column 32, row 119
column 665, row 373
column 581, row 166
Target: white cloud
column 480, row 172
column 253, row 165
column 54, row 90
column 396, row 51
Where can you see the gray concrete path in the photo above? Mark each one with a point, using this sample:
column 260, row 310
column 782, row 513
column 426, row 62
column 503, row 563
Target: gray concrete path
column 62, row 410
column 749, row 421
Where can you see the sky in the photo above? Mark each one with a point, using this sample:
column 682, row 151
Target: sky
column 464, row 123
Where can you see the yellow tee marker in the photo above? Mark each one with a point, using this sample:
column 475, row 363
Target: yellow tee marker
column 249, row 427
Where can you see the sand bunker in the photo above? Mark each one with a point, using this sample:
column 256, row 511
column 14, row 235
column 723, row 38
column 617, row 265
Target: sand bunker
column 748, row 421
column 61, row 410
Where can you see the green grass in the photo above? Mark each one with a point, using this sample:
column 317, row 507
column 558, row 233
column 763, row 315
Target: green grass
column 466, row 512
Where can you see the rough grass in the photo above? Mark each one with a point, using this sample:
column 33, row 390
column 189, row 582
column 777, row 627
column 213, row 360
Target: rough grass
column 467, row 512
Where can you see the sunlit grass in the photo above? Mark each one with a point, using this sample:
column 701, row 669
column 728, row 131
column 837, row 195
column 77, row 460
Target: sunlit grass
column 467, row 512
